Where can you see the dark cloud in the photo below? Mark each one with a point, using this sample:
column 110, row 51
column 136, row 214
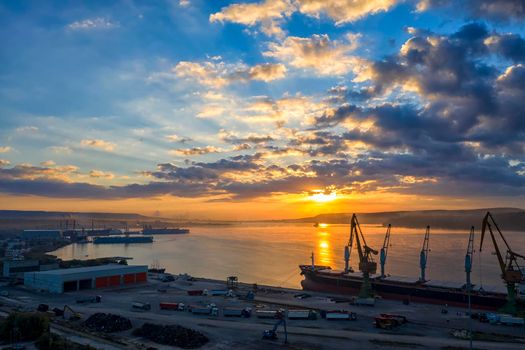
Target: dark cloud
column 500, row 10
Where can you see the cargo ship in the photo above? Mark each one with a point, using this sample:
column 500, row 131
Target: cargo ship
column 164, row 231
column 325, row 279
column 122, row 239
column 367, row 283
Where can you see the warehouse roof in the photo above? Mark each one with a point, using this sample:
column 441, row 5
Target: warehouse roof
column 88, row 269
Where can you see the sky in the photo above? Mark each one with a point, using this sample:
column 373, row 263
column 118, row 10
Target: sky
column 268, row 109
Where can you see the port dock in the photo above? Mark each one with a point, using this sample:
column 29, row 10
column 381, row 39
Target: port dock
column 427, row 326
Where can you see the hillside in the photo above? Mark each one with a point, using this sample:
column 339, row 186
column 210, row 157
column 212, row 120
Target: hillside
column 507, row 218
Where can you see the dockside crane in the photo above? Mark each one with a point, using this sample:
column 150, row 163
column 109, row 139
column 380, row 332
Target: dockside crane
column 468, row 270
column 384, row 251
column 511, row 272
column 367, row 265
column 423, row 255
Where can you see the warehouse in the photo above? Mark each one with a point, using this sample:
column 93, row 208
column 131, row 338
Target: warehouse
column 81, row 278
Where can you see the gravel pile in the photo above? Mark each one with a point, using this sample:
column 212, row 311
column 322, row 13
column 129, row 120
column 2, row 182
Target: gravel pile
column 108, row 323
column 172, row 335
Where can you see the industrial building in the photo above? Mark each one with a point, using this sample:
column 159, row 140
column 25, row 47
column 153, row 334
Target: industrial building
column 42, row 234
column 82, row 278
column 17, row 268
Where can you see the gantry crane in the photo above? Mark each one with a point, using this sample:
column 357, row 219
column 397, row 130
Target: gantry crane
column 384, row 251
column 468, row 270
column 511, row 271
column 367, row 265
column 423, row 256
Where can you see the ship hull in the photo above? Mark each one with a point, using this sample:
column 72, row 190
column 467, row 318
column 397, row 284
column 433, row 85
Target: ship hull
column 165, row 231
column 122, row 240
column 340, row 284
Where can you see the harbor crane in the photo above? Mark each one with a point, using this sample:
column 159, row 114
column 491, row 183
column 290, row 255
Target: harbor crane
column 511, row 272
column 423, row 256
column 367, row 265
column 468, row 270
column 384, row 251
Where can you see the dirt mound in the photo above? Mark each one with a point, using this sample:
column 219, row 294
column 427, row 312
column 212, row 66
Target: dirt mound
column 172, row 335
column 108, row 323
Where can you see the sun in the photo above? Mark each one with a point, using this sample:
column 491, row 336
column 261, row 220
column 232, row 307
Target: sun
column 322, row 197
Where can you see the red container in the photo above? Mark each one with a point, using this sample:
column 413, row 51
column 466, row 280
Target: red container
column 101, row 282
column 195, row 292
column 169, row 306
column 129, row 278
column 141, row 277
column 114, row 281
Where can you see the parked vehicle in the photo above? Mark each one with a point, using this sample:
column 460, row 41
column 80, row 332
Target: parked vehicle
column 141, row 306
column 92, row 299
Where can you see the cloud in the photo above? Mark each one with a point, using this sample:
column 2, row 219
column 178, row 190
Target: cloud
column 5, row 149
column 27, row 129
column 196, row 151
column 4, row 162
column 230, row 137
column 501, row 10
column 48, row 163
column 184, row 3
column 99, row 144
column 92, row 24
column 61, row 149
column 267, row 72
column 31, row 172
column 318, row 53
column 343, row 11
column 178, row 138
column 268, row 14
column 217, row 74
column 101, row 174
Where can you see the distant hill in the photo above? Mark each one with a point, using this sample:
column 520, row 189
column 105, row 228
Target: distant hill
column 59, row 215
column 512, row 219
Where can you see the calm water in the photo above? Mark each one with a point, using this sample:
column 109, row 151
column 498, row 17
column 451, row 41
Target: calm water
column 270, row 253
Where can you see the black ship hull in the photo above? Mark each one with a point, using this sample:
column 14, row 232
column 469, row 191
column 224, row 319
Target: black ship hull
column 332, row 282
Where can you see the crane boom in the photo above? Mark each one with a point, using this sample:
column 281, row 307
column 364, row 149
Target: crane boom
column 423, row 255
column 366, row 261
column 384, row 251
column 468, row 256
column 511, row 271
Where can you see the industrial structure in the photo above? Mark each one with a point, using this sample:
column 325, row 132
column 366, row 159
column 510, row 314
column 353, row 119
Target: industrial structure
column 42, row 234
column 367, row 283
column 82, row 278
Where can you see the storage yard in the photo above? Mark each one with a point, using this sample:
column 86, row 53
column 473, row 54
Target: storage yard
column 236, row 317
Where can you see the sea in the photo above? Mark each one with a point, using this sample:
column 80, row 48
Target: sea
column 270, row 253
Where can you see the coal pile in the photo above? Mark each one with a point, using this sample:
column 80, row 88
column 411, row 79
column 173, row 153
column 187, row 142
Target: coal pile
column 172, row 335
column 107, row 323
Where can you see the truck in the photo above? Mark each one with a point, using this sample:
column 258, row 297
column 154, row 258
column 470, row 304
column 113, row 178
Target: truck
column 210, row 309
column 511, row 321
column 302, row 315
column 237, row 312
column 269, row 313
column 171, row 306
column 389, row 321
column 90, row 299
column 340, row 315
column 364, row 301
column 140, row 306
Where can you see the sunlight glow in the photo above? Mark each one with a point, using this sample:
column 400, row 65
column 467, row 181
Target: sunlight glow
column 322, row 197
